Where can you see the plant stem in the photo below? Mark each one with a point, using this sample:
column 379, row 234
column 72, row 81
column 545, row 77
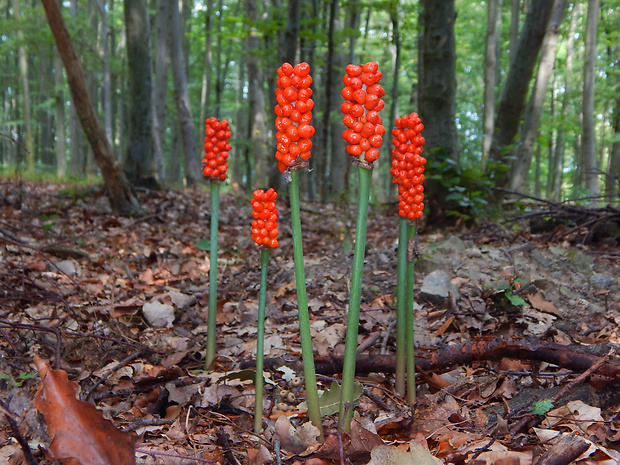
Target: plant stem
column 212, row 316
column 401, row 308
column 350, row 348
column 312, row 395
column 260, row 343
column 411, row 388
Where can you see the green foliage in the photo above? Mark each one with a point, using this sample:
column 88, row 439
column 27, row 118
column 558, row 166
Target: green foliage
column 468, row 188
column 19, row 380
column 203, row 244
column 541, row 407
column 329, row 401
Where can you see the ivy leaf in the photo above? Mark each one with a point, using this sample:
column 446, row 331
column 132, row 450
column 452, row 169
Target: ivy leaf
column 203, row 244
column 329, row 402
column 541, row 407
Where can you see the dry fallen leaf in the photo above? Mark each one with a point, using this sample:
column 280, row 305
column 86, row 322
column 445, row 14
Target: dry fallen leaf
column 389, row 455
column 80, row 435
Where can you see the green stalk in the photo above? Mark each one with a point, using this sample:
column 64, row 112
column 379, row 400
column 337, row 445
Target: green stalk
column 411, row 388
column 260, row 343
column 401, row 308
column 312, row 394
column 350, row 347
column 212, row 316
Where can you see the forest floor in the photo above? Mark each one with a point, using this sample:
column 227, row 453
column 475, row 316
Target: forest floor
column 506, row 321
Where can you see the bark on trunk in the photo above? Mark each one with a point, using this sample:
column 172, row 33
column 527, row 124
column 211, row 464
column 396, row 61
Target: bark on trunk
column 521, row 165
column 588, row 146
column 138, row 163
column 181, row 95
column 491, row 64
column 516, row 87
column 118, row 189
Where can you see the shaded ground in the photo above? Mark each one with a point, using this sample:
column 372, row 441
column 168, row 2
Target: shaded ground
column 121, row 305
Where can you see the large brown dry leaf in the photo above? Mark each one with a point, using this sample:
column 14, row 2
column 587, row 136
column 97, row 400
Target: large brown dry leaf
column 80, row 435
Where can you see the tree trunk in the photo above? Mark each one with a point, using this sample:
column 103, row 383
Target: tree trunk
column 205, row 91
column 61, row 146
column 491, row 66
column 390, row 187
column 437, row 92
column 181, row 95
column 530, row 128
column 612, row 185
column 25, row 93
column 516, row 87
column 106, row 87
column 588, row 146
column 118, row 188
column 138, row 164
column 162, row 67
column 325, row 159
column 555, row 170
column 259, row 143
column 291, row 33
column 515, row 9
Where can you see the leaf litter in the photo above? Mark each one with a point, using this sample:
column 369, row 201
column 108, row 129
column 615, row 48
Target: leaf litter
column 118, row 306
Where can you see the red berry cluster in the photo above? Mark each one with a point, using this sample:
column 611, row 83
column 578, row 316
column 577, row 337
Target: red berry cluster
column 408, row 165
column 265, row 214
column 361, row 108
column 293, row 116
column 214, row 162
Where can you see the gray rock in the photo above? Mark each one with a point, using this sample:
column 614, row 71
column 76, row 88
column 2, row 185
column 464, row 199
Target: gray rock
column 601, row 281
column 451, row 244
column 581, row 261
column 540, row 258
column 437, row 288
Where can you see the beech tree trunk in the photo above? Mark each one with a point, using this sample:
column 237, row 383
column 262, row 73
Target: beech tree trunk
column 193, row 173
column 557, row 161
column 259, row 143
column 25, row 95
column 588, row 147
column 491, row 64
column 515, row 90
column 117, row 187
column 160, row 88
column 529, row 130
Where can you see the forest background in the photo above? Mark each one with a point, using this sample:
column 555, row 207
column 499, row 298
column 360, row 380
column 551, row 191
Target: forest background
column 521, row 95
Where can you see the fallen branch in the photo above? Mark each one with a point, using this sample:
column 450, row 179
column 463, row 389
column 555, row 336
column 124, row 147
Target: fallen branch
column 570, row 357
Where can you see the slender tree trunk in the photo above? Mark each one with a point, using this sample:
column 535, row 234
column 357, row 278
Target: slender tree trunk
column 181, row 95
column 491, row 66
column 291, row 33
column 118, row 188
column 589, row 137
column 324, row 159
column 558, row 158
column 160, row 89
column 205, row 91
column 390, row 187
column 515, row 90
column 612, row 185
column 61, row 146
column 530, row 128
column 106, row 87
column 259, row 142
column 219, row 78
column 515, row 10
column 25, row 93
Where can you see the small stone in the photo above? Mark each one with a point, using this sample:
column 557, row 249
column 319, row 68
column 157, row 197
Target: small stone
column 452, row 244
column 437, row 288
column 540, row 258
column 158, row 315
column 601, row 281
column 68, row 267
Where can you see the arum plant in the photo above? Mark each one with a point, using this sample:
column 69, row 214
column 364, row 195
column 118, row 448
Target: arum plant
column 364, row 135
column 294, row 133
column 407, row 171
column 265, row 234
column 214, row 167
